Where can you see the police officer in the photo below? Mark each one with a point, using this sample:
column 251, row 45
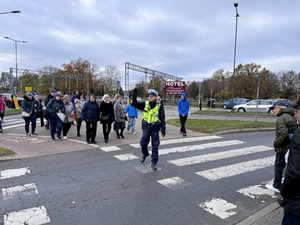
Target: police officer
column 153, row 121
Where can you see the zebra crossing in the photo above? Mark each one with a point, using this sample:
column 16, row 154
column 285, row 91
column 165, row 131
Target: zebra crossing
column 13, row 123
column 216, row 206
column 179, row 153
column 31, row 216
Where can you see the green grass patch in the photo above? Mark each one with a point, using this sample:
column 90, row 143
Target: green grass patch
column 227, row 112
column 12, row 111
column 6, row 152
column 212, row 126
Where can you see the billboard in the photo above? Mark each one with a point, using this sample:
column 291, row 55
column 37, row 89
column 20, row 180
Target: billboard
column 174, row 87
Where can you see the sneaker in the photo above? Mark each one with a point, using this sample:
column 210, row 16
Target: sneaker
column 65, row 137
column 272, row 188
column 1, row 130
column 133, row 133
column 34, row 133
column 59, row 138
column 28, row 134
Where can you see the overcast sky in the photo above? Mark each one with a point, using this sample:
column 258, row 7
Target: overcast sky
column 190, row 38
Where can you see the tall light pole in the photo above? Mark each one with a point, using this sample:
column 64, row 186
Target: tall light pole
column 14, row 11
column 16, row 53
column 234, row 54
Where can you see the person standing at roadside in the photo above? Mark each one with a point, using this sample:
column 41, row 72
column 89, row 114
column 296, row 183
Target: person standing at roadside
column 285, row 125
column 46, row 101
column 79, row 102
column 290, row 189
column 2, row 109
column 90, row 114
column 120, row 115
column 67, row 123
column 132, row 116
column 153, row 121
column 55, row 106
column 40, row 106
column 29, row 106
column 183, row 110
column 107, row 116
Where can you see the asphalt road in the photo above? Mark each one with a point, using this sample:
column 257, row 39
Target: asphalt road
column 104, row 187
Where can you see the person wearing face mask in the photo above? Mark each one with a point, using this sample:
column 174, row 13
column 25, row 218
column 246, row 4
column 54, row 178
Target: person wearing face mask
column 90, row 114
column 107, row 116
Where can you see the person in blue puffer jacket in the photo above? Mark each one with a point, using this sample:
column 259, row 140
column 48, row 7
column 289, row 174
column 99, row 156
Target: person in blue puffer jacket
column 183, row 110
column 132, row 116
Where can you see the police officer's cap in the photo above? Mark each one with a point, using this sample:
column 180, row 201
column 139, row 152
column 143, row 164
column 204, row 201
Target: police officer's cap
column 152, row 92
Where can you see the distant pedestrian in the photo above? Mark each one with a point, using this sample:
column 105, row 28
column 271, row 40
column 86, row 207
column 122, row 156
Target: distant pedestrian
column 159, row 100
column 40, row 109
column 120, row 116
column 90, row 114
column 2, row 110
column 290, row 189
column 286, row 124
column 183, row 110
column 29, row 107
column 200, row 103
column 49, row 97
column 132, row 116
column 107, row 116
column 55, row 106
column 153, row 121
column 79, row 102
column 69, row 113
column 74, row 96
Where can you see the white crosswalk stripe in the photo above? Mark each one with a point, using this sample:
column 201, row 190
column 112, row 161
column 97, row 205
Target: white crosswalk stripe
column 34, row 216
column 236, row 169
column 174, row 183
column 219, row 207
column 219, row 155
column 14, row 173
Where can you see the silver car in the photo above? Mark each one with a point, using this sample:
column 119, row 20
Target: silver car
column 263, row 106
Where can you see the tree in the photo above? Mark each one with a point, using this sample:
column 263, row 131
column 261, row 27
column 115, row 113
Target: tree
column 108, row 78
column 6, row 81
column 192, row 90
column 288, row 79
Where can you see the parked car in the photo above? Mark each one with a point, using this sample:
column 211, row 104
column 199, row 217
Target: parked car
column 9, row 101
column 263, row 106
column 286, row 102
column 236, row 101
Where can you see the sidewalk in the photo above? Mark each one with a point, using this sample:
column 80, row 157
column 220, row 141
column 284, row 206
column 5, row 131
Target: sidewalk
column 25, row 147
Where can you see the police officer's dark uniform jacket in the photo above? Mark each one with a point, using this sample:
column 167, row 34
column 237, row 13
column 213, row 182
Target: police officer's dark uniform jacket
column 153, row 121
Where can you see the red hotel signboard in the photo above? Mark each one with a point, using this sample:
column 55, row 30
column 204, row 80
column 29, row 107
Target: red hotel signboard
column 174, row 87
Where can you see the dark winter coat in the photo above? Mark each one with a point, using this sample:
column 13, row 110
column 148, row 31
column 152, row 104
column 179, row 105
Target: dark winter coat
column 107, row 109
column 286, row 124
column 90, row 111
column 54, row 106
column 29, row 106
column 290, row 189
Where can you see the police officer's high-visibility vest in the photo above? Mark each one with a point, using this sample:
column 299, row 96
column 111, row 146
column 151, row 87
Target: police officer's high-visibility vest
column 151, row 115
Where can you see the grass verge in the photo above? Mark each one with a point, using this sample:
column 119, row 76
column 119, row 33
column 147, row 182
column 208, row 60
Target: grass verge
column 213, row 126
column 13, row 111
column 229, row 113
column 6, row 152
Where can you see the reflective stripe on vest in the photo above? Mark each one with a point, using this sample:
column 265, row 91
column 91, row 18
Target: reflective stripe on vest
column 151, row 115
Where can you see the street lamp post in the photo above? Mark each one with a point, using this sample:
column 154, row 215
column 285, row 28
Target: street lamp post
column 14, row 11
column 16, row 53
column 234, row 54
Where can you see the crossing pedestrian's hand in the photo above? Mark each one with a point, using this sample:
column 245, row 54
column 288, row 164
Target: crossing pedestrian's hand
column 135, row 92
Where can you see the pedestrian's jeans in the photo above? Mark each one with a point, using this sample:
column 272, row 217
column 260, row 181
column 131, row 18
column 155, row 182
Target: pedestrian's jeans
column 131, row 124
column 27, row 123
column 55, row 122
column 153, row 132
column 278, row 169
column 290, row 219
